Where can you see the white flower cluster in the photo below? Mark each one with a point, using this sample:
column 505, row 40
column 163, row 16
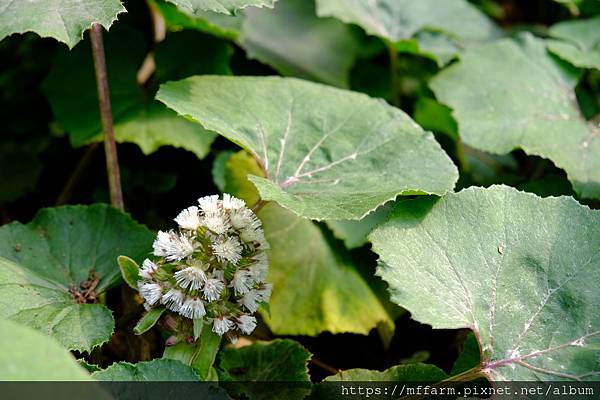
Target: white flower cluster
column 213, row 267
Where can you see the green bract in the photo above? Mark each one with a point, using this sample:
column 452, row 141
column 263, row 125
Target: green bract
column 518, row 270
column 46, row 265
column 64, row 20
column 509, row 95
column 318, row 146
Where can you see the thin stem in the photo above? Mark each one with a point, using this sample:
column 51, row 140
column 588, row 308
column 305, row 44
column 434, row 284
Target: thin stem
column 461, row 156
column 325, row 366
column 259, row 205
column 84, row 162
column 393, row 53
column 110, row 147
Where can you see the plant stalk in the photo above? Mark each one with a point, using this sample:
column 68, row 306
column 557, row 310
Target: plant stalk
column 393, row 53
column 110, row 146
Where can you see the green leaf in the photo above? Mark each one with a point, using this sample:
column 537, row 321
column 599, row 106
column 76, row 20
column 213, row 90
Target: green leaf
column 149, row 371
column 580, row 43
column 438, row 29
column 41, row 262
column 149, row 319
column 316, row 287
column 320, row 146
column 193, row 7
column 325, row 54
column 354, row 233
column 435, row 117
column 279, row 362
column 221, row 25
column 130, row 271
column 509, row 95
column 520, row 271
column 468, row 358
column 64, row 21
column 138, row 118
column 415, row 372
column 27, row 355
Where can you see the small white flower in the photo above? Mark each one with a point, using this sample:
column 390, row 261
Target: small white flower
column 151, row 292
column 246, row 323
column 242, row 281
column 148, row 269
column 228, row 249
column 173, row 299
column 264, row 292
column 250, row 300
column 192, row 308
column 260, row 267
column 221, row 325
column 242, row 218
column 232, row 203
column 251, row 235
column 216, row 222
column 189, row 218
column 192, row 277
column 209, row 204
column 212, row 289
column 171, row 246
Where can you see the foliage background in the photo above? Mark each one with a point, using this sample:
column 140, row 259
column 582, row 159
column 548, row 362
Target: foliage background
column 45, row 159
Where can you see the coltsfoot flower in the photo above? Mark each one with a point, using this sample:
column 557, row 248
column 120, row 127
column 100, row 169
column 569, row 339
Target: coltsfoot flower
column 213, row 267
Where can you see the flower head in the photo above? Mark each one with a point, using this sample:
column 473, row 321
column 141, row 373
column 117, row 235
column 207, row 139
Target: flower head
column 212, row 267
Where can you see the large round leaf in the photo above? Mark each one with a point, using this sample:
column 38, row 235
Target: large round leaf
column 328, row 153
column 433, row 27
column 43, row 262
column 521, row 271
column 27, row 355
column 64, row 20
column 510, row 95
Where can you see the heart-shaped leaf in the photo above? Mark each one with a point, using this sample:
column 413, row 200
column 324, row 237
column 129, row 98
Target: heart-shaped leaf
column 328, row 153
column 71, row 88
column 27, row 355
column 63, row 20
column 194, row 7
column 509, row 95
column 438, row 28
column 53, row 269
column 521, row 271
column 315, row 287
column 580, row 43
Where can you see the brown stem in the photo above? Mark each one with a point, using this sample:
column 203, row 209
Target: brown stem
column 259, row 205
column 393, row 53
column 110, row 147
column 84, row 162
column 324, row 366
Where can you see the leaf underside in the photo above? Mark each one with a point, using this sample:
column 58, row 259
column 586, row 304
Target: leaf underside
column 509, row 95
column 318, row 145
column 475, row 260
column 194, row 7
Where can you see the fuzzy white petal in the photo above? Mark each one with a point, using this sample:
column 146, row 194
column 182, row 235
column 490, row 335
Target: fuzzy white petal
column 212, row 289
column 148, row 269
column 151, row 292
column 242, row 281
column 192, row 308
column 228, row 249
column 246, row 323
column 190, row 278
column 173, row 299
column 222, row 325
column 209, row 204
column 189, row 218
